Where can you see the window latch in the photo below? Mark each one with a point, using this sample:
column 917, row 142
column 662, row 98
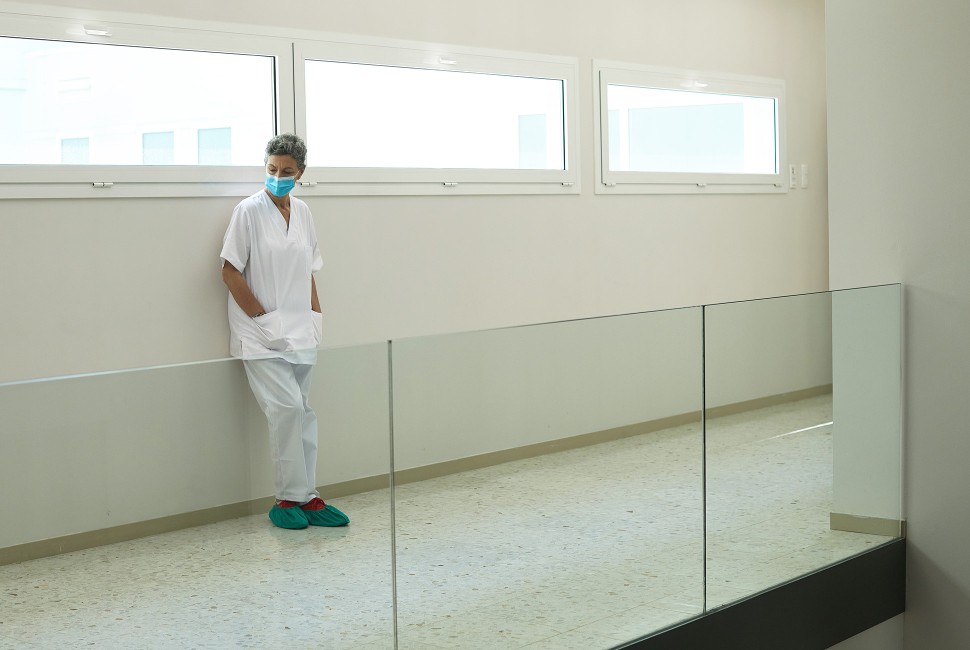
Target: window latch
column 101, row 184
column 308, row 183
column 450, row 184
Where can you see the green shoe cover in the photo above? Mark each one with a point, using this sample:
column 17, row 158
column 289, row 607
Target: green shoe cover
column 292, row 518
column 329, row 516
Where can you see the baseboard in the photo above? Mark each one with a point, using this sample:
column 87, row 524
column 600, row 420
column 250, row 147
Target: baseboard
column 867, row 525
column 127, row 532
column 479, row 461
column 765, row 402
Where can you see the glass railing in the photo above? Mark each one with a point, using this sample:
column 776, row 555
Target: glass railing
column 566, row 485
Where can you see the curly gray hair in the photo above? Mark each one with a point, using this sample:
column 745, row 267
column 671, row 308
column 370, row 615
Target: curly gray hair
column 287, row 144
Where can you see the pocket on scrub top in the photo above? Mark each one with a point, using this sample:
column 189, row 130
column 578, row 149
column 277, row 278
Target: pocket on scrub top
column 270, row 329
column 316, row 319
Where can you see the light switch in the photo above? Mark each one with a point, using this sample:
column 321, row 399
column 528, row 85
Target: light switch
column 792, row 177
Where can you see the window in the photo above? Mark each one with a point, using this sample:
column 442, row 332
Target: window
column 115, row 91
column 75, row 151
column 142, row 97
column 675, row 131
column 215, row 146
column 411, row 121
column 158, row 148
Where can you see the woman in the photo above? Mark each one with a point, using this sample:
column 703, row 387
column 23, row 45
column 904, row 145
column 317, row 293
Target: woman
column 269, row 255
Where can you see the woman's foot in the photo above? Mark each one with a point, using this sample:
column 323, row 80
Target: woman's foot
column 288, row 514
column 319, row 513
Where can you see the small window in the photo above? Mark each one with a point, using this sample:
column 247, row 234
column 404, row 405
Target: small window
column 215, row 146
column 675, row 131
column 394, row 117
column 158, row 148
column 75, row 151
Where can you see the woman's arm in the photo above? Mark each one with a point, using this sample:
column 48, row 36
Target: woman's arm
column 240, row 291
column 314, row 300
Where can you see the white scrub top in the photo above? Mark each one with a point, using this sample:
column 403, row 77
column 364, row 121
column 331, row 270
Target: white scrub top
column 277, row 263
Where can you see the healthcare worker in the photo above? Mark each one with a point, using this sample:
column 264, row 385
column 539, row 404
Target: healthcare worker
column 269, row 255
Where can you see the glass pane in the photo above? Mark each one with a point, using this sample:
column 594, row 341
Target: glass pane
column 660, row 130
column 215, row 146
column 137, row 449
column 867, row 361
column 382, row 116
column 75, row 151
column 115, row 94
column 158, row 148
column 769, row 445
column 548, row 483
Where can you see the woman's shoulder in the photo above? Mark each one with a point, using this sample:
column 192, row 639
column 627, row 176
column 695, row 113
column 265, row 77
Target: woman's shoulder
column 251, row 204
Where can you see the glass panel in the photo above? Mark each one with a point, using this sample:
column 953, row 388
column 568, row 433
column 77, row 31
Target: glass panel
column 769, row 445
column 548, row 483
column 382, row 116
column 113, row 94
column 149, row 449
column 867, row 362
column 660, row 130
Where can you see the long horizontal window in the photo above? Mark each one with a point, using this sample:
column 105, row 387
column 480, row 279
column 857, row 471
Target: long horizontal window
column 402, row 120
column 676, row 131
column 136, row 105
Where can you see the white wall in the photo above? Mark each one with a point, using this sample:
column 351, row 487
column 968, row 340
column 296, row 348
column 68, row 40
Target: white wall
column 105, row 284
column 899, row 97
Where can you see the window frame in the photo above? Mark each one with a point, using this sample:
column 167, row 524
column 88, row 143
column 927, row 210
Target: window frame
column 79, row 181
column 606, row 73
column 403, row 181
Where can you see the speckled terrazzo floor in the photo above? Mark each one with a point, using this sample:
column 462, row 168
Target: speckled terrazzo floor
column 581, row 549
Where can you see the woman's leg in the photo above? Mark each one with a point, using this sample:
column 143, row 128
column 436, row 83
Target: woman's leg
column 304, row 375
column 279, row 394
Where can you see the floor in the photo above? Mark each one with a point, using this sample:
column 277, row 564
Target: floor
column 575, row 550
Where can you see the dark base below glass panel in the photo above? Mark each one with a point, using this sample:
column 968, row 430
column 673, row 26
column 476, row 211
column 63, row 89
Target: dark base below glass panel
column 811, row 613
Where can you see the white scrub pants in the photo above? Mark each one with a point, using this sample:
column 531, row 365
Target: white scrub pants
column 282, row 390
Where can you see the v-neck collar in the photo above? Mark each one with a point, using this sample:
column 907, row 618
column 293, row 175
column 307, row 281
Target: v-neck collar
column 281, row 222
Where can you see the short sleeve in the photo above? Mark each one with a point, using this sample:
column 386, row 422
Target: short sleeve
column 236, row 243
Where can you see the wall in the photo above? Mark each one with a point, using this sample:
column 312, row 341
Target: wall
column 899, row 98
column 108, row 284
column 126, row 283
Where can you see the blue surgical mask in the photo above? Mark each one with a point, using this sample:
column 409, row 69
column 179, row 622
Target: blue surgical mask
column 280, row 186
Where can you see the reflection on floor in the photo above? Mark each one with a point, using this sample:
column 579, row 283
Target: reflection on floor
column 581, row 549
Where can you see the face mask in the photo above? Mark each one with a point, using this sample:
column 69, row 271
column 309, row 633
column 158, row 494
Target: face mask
column 280, row 186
